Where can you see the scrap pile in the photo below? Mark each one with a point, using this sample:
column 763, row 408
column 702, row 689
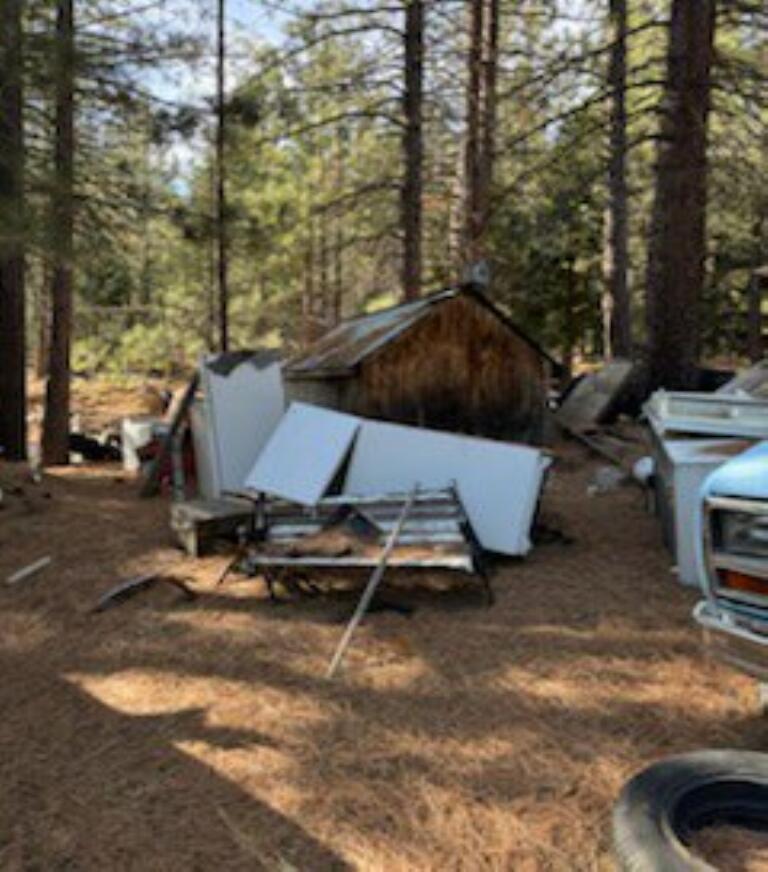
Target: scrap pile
column 692, row 434
column 310, row 487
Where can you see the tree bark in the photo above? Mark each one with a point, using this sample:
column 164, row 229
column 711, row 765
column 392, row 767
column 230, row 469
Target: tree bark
column 413, row 149
column 55, row 443
column 490, row 75
column 308, row 295
column 474, row 138
column 338, row 248
column 755, row 347
column 221, row 188
column 212, row 315
column 43, row 306
column 617, row 304
column 677, row 240
column 481, row 124
column 13, row 428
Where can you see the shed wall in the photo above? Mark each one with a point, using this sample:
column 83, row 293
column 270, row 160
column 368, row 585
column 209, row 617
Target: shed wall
column 328, row 393
column 458, row 369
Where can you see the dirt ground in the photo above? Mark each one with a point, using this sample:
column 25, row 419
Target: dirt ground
column 163, row 735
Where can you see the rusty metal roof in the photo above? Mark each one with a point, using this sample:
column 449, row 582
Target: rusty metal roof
column 346, row 345
column 339, row 351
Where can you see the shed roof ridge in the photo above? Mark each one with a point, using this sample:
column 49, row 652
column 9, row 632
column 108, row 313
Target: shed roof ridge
column 341, row 349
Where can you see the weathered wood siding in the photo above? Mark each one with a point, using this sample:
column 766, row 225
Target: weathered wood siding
column 458, row 369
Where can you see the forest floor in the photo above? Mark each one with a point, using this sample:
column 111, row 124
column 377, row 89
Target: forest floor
column 163, row 735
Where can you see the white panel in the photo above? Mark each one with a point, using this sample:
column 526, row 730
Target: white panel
column 243, row 409
column 499, row 483
column 304, row 454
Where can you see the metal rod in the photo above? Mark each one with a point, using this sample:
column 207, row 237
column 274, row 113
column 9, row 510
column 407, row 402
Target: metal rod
column 370, row 589
column 26, row 571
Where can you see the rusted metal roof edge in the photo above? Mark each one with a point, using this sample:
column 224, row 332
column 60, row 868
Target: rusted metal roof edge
column 297, row 368
column 293, row 368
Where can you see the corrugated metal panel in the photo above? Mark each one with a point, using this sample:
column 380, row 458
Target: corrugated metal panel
column 339, row 352
column 436, row 536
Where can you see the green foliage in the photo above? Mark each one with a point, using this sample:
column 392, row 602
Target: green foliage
column 314, row 166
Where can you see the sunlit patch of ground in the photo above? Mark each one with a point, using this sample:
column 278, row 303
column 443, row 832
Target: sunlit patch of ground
column 168, row 735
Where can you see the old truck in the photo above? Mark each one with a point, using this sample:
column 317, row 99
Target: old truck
column 732, row 555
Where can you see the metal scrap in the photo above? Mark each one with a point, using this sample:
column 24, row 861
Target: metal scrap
column 592, row 399
column 118, row 594
column 27, row 571
column 370, row 588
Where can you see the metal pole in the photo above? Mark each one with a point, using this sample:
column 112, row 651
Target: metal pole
column 370, row 589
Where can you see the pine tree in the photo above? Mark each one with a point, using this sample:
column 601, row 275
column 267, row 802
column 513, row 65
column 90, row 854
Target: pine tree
column 55, row 441
column 13, row 431
column 677, row 234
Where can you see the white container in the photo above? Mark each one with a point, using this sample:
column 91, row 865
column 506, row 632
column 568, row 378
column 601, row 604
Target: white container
column 136, row 433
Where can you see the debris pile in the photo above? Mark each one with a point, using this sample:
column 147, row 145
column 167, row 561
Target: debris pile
column 309, row 488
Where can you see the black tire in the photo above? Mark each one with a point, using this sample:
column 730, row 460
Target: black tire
column 663, row 805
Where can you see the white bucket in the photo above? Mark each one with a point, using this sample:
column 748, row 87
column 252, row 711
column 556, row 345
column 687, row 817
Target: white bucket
column 137, row 432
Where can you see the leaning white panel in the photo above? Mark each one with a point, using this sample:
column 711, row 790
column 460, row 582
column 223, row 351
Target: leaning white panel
column 243, row 408
column 499, row 483
column 304, row 454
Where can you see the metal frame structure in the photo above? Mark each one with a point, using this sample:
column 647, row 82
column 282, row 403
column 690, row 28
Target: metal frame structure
column 436, row 534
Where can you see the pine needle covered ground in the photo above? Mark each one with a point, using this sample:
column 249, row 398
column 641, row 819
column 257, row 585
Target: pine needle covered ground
column 164, row 736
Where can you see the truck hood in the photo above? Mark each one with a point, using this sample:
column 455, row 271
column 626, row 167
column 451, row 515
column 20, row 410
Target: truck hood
column 744, row 476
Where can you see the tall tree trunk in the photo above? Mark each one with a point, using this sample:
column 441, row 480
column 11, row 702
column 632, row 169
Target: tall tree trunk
column 43, row 307
column 212, row 315
column 570, row 332
column 413, row 149
column 481, row 124
column 758, row 281
column 755, row 347
column 490, row 75
column 618, row 322
column 677, row 241
column 338, row 273
column 55, row 444
column 308, row 295
column 474, row 138
column 13, row 428
column 221, row 187
column 338, row 242
column 323, row 309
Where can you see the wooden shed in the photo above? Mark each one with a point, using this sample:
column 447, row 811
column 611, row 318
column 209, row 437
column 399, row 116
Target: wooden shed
column 451, row 361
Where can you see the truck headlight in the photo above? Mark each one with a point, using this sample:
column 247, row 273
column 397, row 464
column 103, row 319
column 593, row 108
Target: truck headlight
column 744, row 533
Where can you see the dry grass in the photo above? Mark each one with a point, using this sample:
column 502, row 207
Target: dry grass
column 732, row 849
column 165, row 736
